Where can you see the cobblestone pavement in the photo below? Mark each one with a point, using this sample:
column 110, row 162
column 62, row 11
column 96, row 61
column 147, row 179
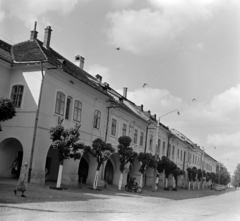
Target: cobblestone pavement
column 101, row 205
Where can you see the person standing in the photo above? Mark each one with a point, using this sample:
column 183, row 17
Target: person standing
column 22, row 181
column 15, row 168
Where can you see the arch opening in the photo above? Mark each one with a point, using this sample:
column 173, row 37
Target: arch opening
column 11, row 156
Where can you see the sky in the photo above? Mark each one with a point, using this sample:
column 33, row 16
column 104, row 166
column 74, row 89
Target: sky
column 187, row 52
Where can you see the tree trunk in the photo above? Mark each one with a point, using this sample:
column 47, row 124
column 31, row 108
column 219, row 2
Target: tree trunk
column 166, row 182
column 189, row 185
column 157, row 180
column 154, row 181
column 199, row 184
column 59, row 180
column 141, row 180
column 120, row 181
column 95, row 182
column 174, row 183
column 203, row 184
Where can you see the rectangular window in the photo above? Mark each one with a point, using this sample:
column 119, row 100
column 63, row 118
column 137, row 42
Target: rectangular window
column 150, row 142
column 77, row 111
column 141, row 138
column 163, row 149
column 124, row 130
column 178, row 153
column 97, row 118
column 173, row 149
column 158, row 147
column 60, row 103
column 17, row 95
column 68, row 108
column 135, row 136
column 114, row 127
column 169, row 151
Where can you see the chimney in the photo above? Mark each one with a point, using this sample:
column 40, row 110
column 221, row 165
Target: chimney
column 125, row 92
column 79, row 61
column 99, row 77
column 155, row 117
column 47, row 37
column 149, row 112
column 34, row 33
column 141, row 107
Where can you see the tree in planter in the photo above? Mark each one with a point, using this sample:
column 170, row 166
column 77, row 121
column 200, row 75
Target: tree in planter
column 66, row 142
column 146, row 160
column 101, row 151
column 194, row 174
column 159, row 170
column 169, row 166
column 176, row 172
column 204, row 178
column 126, row 155
column 199, row 176
column 7, row 110
column 189, row 170
column 208, row 177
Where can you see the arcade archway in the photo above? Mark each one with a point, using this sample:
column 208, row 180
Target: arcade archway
column 10, row 149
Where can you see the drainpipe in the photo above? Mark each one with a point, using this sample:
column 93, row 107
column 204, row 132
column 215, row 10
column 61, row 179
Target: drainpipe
column 35, row 126
column 106, row 133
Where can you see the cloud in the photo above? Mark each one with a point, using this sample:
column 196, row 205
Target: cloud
column 2, row 13
column 223, row 139
column 103, row 71
column 121, row 3
column 29, row 11
column 158, row 25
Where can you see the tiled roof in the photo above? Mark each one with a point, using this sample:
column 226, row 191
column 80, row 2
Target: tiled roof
column 30, row 51
column 27, row 51
column 5, row 51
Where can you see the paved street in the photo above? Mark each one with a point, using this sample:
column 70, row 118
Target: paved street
column 102, row 205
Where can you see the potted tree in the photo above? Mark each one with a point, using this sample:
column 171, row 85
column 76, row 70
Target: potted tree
column 126, row 155
column 194, row 174
column 101, row 151
column 189, row 170
column 199, row 176
column 145, row 159
column 66, row 142
column 176, row 173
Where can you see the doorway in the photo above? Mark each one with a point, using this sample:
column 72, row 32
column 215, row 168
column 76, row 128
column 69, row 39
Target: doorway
column 108, row 175
column 83, row 171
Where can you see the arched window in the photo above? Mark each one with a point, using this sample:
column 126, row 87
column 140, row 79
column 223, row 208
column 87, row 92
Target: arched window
column 97, row 118
column 17, row 95
column 77, row 111
column 68, row 108
column 60, row 103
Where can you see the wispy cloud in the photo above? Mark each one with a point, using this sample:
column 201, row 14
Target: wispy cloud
column 158, row 24
column 29, row 11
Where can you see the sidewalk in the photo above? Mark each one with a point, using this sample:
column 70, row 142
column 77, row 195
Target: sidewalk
column 42, row 193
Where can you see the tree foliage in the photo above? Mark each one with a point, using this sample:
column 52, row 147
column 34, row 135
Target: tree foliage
column 147, row 160
column 237, row 176
column 194, row 173
column 66, row 142
column 189, row 170
column 100, row 150
column 126, row 153
column 223, row 174
column 168, row 165
column 7, row 110
column 199, row 174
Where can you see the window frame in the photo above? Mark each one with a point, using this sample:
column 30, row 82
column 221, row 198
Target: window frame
column 74, row 107
column 97, row 119
column 22, row 94
column 135, row 135
column 56, row 102
column 114, row 132
column 124, row 129
column 150, row 142
column 141, row 138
